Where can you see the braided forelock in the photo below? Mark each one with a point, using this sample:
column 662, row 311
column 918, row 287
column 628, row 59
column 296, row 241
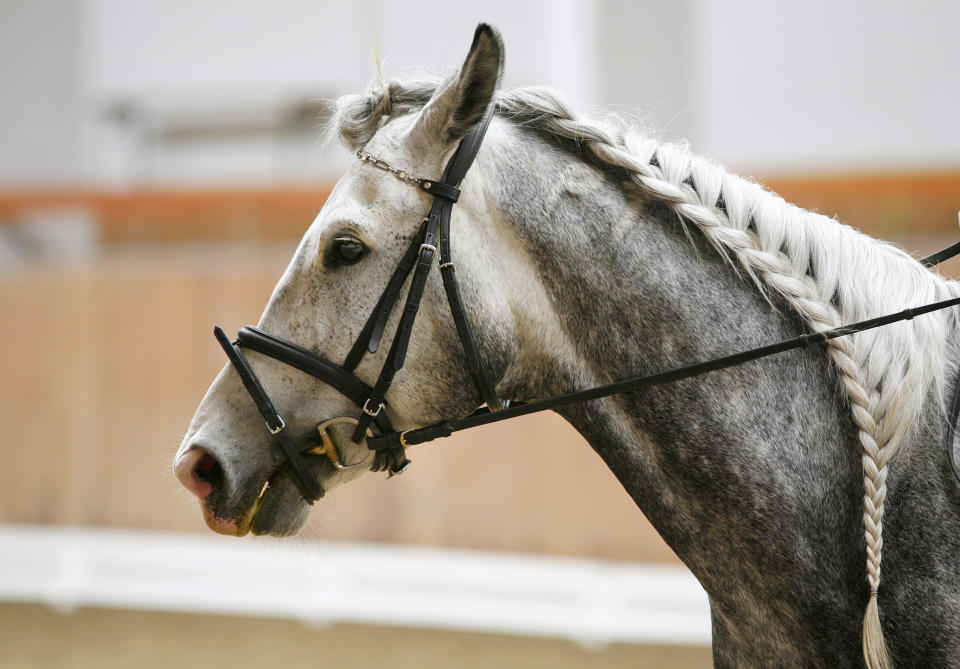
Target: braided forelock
column 357, row 118
column 828, row 273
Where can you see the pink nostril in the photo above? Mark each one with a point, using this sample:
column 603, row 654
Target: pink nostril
column 205, row 464
column 199, row 472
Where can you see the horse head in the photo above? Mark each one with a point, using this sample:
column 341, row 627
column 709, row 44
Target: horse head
column 228, row 459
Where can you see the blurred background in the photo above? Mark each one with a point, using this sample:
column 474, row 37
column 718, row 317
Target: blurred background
column 158, row 164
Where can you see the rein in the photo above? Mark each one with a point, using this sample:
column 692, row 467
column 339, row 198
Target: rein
column 433, row 240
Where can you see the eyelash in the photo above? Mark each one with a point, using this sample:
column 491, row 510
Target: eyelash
column 334, row 256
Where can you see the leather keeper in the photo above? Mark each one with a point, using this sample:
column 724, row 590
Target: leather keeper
column 383, row 442
column 439, row 189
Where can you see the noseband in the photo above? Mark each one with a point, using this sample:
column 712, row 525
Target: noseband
column 433, row 240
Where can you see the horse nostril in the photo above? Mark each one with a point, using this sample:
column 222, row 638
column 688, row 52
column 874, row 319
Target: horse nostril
column 208, row 470
column 199, row 472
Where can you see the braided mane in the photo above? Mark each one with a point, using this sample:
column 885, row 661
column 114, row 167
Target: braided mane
column 829, row 273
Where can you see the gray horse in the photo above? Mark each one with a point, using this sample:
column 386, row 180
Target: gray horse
column 588, row 252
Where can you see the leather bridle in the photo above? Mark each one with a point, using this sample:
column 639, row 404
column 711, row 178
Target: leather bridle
column 433, row 240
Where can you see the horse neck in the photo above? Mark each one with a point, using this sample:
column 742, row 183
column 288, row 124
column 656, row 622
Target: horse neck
column 634, row 293
column 752, row 475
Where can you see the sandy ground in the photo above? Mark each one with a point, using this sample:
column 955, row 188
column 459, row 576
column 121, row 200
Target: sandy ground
column 37, row 637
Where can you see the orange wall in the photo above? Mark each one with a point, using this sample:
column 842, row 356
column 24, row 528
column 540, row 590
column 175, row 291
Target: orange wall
column 890, row 205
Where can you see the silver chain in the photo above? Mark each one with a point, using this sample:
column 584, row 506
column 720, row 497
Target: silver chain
column 387, row 167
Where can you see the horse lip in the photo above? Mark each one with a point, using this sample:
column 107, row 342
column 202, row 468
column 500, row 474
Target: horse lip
column 238, row 524
column 240, row 520
column 246, row 519
column 270, row 511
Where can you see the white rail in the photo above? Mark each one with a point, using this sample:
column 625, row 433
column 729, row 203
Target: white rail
column 591, row 602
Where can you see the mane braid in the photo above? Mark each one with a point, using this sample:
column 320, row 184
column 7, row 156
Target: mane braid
column 829, row 273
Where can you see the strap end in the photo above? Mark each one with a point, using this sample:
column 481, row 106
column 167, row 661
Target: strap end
column 439, row 189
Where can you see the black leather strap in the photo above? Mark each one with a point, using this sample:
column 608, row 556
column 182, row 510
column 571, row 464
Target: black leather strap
column 430, row 432
column 250, row 381
column 310, row 363
column 373, row 406
column 446, row 192
column 369, row 339
column 439, row 189
column 941, row 255
column 302, row 477
column 467, row 151
column 454, row 173
column 471, row 353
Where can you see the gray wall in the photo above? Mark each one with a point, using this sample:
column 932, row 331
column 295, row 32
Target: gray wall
column 820, row 83
column 41, row 92
column 646, row 62
column 208, row 88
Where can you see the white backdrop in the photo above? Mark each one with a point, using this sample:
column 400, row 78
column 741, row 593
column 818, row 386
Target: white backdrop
column 206, row 85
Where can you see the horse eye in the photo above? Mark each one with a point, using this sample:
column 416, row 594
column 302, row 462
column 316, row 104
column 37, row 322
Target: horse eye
column 345, row 251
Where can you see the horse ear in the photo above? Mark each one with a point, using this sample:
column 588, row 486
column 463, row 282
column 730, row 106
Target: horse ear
column 460, row 103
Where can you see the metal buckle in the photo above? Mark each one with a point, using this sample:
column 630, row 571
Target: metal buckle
column 328, row 448
column 428, row 246
column 372, row 413
column 403, row 442
column 277, row 430
column 444, row 265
